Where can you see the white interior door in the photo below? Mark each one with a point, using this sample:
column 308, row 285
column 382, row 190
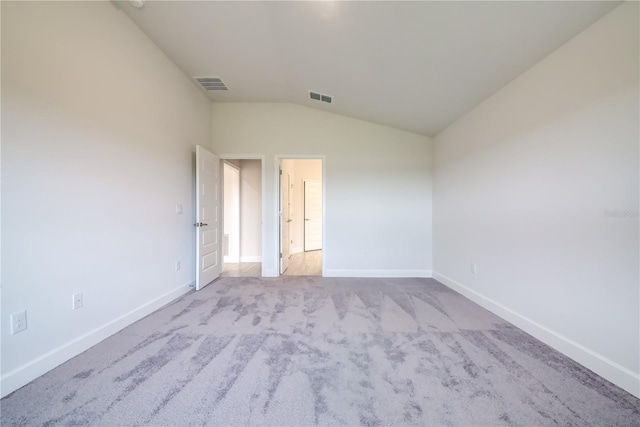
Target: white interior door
column 312, row 215
column 285, row 212
column 283, row 215
column 209, row 226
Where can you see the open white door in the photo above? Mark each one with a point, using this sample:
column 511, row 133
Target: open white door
column 285, row 221
column 208, row 253
column 312, row 215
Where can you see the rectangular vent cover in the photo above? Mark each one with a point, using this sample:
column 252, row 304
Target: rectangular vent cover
column 211, row 83
column 320, row 97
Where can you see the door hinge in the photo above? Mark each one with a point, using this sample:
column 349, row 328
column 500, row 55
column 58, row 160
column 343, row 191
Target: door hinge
column 280, row 171
column 280, row 254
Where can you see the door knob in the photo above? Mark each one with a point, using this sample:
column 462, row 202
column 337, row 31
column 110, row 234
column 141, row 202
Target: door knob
column 200, row 224
column 307, row 219
column 289, row 220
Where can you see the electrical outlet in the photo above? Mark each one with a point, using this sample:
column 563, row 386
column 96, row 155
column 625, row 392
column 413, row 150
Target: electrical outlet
column 77, row 301
column 18, row 322
column 178, row 209
column 473, row 267
column 177, row 265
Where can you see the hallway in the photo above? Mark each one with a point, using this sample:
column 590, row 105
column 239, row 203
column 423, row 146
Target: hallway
column 300, row 264
column 305, row 264
column 242, row 269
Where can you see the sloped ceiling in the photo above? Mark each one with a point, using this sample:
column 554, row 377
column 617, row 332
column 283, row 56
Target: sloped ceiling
column 416, row 66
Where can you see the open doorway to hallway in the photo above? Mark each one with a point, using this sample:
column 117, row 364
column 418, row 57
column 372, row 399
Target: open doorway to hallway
column 300, row 217
column 242, row 218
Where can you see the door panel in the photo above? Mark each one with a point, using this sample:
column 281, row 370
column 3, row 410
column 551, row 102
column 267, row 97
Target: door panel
column 312, row 215
column 209, row 237
column 208, row 253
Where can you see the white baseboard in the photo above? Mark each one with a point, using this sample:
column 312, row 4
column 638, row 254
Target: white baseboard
column 377, row 273
column 31, row 370
column 606, row 368
column 230, row 259
column 251, row 258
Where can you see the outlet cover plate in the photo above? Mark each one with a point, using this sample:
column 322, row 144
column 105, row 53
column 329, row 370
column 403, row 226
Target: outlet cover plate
column 18, row 322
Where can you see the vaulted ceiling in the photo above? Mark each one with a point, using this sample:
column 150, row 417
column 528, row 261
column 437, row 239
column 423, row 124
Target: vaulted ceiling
column 416, row 66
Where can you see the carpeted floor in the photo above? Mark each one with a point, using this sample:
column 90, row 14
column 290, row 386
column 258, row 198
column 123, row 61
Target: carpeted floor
column 311, row 350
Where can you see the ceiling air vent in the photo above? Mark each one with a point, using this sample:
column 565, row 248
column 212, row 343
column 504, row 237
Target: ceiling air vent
column 320, row 97
column 211, row 83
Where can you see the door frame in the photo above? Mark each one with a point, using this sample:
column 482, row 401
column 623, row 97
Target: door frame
column 276, row 199
column 264, row 195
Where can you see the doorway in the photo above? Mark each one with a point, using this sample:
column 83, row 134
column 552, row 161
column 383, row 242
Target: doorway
column 242, row 200
column 300, row 216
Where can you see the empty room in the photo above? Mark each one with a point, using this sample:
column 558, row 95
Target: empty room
column 320, row 213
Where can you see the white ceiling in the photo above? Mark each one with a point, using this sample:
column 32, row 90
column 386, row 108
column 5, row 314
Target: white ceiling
column 416, row 66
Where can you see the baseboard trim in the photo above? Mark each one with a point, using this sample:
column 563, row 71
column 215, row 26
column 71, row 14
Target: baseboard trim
column 378, row 273
column 31, row 370
column 251, row 258
column 606, row 368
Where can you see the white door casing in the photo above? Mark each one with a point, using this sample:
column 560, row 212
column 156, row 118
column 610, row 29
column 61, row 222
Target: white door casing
column 312, row 215
column 208, row 223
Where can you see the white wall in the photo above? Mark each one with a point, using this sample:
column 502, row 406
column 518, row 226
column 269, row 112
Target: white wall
column 377, row 184
column 231, row 241
column 250, row 210
column 98, row 134
column 522, row 187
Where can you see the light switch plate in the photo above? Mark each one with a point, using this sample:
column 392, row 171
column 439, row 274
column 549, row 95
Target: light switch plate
column 77, row 301
column 179, row 209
